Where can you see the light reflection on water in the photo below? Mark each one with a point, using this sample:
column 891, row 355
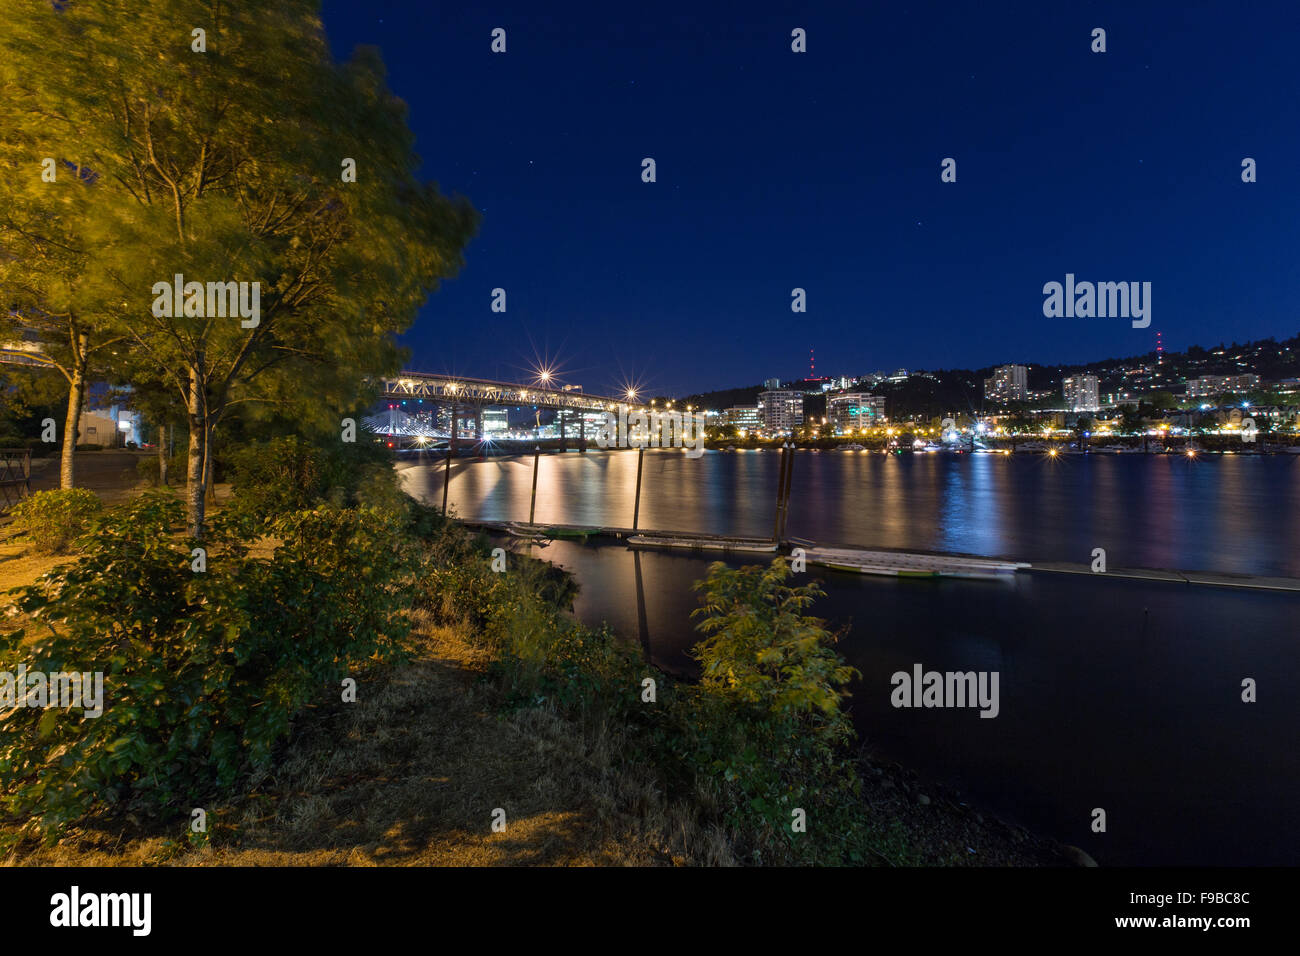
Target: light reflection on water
column 1114, row 693
column 1229, row 514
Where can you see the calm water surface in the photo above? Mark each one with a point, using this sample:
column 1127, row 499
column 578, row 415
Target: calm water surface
column 1113, row 693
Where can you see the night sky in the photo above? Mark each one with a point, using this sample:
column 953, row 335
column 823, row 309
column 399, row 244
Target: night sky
column 822, row 170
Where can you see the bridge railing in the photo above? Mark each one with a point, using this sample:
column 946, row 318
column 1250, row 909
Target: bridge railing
column 448, row 388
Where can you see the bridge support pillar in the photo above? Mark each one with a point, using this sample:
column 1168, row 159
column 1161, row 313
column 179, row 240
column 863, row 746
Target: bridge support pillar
column 455, row 437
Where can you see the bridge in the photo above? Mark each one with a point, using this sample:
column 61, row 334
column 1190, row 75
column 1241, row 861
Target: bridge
column 467, row 398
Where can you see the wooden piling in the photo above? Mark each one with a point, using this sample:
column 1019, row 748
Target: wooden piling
column 636, row 508
column 532, row 505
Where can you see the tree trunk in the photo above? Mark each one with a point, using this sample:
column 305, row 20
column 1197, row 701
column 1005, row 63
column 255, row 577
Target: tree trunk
column 72, row 423
column 162, row 454
column 194, row 478
column 208, row 483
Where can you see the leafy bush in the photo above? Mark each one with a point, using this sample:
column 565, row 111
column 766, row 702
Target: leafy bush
column 764, row 730
column 147, row 467
column 291, row 474
column 52, row 520
column 457, row 586
column 761, row 734
column 202, row 671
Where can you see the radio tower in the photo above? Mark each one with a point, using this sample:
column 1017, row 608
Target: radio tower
column 1160, row 354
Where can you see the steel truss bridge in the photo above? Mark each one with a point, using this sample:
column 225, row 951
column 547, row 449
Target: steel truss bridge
column 468, row 397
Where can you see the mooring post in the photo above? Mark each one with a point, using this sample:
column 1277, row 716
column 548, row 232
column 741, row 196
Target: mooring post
column 636, row 508
column 446, row 479
column 532, row 505
column 780, row 487
column 789, row 476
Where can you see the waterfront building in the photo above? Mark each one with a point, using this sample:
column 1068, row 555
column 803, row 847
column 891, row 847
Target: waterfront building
column 781, row 410
column 744, row 417
column 496, row 422
column 855, row 410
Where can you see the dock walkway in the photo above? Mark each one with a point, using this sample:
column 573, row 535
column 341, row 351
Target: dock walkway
column 915, row 564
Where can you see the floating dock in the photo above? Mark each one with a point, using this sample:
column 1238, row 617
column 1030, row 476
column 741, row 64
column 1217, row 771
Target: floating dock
column 703, row 544
column 911, row 565
column 521, row 529
column 901, row 564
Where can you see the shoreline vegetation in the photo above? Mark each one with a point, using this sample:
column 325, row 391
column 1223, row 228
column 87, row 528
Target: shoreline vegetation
column 478, row 700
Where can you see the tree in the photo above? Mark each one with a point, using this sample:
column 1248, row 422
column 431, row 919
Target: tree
column 44, row 256
column 246, row 259
column 1131, row 421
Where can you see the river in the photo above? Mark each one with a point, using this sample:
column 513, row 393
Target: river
column 1115, row 694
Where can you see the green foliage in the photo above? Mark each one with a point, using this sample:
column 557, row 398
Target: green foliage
column 762, row 651
column 203, row 672
column 291, row 473
column 53, row 520
column 764, row 728
column 761, row 734
column 244, row 182
column 457, row 586
column 147, row 466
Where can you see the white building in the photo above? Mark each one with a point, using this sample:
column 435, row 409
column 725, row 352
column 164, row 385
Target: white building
column 1010, row 383
column 496, row 422
column 744, row 417
column 780, row 410
column 1080, row 393
column 855, row 410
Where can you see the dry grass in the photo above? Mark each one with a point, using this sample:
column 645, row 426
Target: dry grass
column 410, row 776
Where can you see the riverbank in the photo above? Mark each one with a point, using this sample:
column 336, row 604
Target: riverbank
column 412, row 773
column 410, row 776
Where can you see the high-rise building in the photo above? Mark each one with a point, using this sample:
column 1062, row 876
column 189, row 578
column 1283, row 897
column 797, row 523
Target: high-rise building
column 1010, row 383
column 1080, row 393
column 855, row 410
column 772, row 384
column 780, row 410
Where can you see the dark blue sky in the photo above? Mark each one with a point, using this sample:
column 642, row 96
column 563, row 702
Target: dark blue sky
column 822, row 170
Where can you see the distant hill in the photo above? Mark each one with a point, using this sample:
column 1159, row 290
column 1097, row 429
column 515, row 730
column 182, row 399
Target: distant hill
column 962, row 390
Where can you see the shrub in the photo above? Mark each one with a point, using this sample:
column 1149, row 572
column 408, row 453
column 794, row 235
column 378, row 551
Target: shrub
column 763, row 730
column 203, row 672
column 147, row 466
column 291, row 474
column 457, row 586
column 53, row 520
